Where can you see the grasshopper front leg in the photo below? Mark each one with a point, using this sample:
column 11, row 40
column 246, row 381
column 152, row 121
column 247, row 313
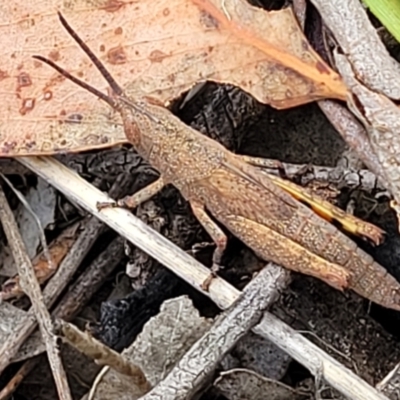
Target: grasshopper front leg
column 216, row 234
column 139, row 197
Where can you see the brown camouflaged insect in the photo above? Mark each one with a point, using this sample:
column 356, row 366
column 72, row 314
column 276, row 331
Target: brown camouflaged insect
column 230, row 187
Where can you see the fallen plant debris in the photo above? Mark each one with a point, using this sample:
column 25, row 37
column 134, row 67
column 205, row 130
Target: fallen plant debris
column 31, row 286
column 224, row 16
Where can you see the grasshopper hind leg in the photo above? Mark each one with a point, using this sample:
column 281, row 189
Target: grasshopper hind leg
column 217, row 235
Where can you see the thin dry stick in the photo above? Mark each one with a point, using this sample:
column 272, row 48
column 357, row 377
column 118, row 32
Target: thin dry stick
column 320, row 364
column 31, row 287
column 76, row 298
column 196, row 367
column 60, row 279
column 91, row 232
column 221, row 292
column 390, row 384
column 353, row 133
column 102, row 354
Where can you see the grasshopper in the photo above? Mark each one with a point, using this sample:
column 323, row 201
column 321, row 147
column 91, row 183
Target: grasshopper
column 230, row 187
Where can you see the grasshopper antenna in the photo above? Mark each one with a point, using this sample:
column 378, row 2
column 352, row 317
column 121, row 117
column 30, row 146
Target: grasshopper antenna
column 102, row 69
column 77, row 81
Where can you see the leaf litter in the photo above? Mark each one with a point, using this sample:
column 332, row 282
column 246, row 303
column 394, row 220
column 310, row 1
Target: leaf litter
column 77, row 116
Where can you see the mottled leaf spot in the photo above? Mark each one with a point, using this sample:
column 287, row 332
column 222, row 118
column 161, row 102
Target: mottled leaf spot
column 54, row 55
column 116, row 55
column 208, row 20
column 74, row 118
column 27, row 105
column 48, row 95
column 3, row 75
column 112, row 5
column 23, row 80
column 157, row 56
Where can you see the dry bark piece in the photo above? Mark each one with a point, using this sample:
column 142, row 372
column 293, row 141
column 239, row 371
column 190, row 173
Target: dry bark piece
column 264, row 53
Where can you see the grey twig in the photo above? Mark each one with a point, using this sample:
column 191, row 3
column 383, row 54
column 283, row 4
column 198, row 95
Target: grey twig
column 31, row 287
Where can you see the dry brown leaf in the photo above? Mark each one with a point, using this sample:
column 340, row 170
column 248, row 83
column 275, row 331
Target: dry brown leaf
column 58, row 249
column 157, row 49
